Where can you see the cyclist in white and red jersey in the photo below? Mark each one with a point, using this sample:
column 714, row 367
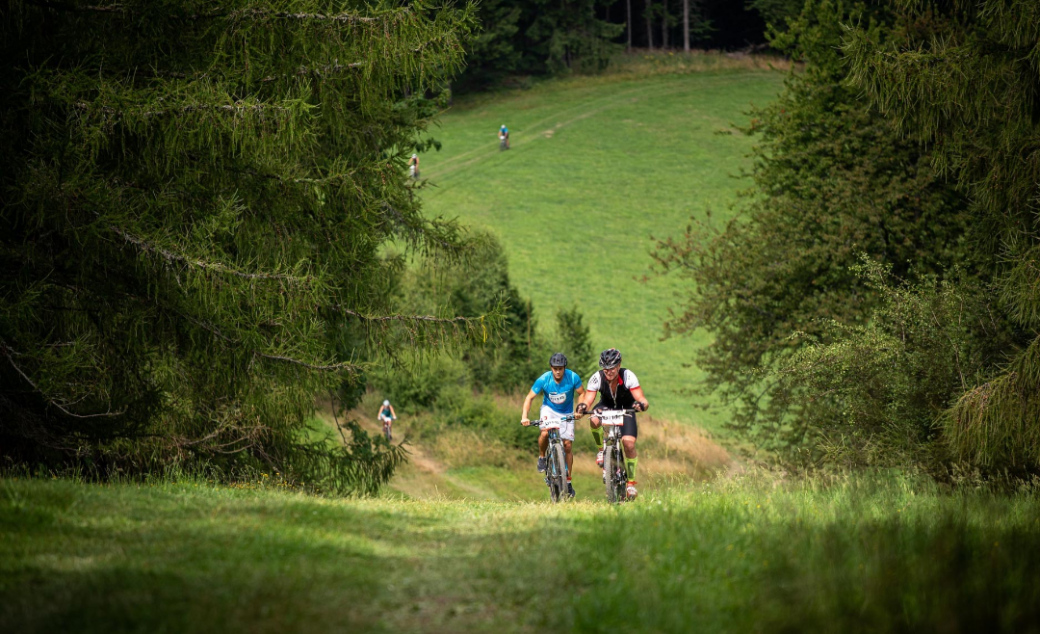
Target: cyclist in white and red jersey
column 618, row 388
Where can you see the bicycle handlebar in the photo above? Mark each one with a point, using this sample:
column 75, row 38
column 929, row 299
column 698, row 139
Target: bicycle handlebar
column 539, row 421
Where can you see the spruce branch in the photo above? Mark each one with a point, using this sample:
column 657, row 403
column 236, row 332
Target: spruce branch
column 10, row 353
column 346, row 18
column 354, row 369
column 237, row 108
column 411, row 318
column 171, row 257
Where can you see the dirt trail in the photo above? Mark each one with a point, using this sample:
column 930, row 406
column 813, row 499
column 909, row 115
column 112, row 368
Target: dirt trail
column 670, row 454
column 423, row 476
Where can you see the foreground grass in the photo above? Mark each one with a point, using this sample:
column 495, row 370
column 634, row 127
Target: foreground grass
column 730, row 556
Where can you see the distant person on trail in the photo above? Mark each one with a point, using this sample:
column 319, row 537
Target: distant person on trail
column 557, row 387
column 413, row 166
column 618, row 388
column 387, row 416
column 503, row 136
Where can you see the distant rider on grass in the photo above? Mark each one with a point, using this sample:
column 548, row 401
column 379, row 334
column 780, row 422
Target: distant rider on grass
column 387, row 416
column 618, row 388
column 557, row 387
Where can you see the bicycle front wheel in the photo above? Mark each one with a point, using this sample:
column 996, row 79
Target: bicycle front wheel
column 610, row 465
column 556, row 471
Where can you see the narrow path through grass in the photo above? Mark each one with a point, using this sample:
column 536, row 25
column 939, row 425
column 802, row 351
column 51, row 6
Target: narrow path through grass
column 730, row 556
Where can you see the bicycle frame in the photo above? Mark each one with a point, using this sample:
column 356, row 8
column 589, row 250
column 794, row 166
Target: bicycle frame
column 615, row 477
column 556, row 461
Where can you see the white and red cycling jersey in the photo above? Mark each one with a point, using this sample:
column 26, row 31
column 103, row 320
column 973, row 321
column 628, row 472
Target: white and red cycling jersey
column 619, row 394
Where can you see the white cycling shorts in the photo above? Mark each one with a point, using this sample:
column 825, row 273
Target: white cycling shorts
column 566, row 426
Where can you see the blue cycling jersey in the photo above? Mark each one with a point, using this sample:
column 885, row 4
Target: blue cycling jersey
column 558, row 396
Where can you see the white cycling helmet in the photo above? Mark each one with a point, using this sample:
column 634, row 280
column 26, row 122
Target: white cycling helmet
column 386, row 402
column 415, row 156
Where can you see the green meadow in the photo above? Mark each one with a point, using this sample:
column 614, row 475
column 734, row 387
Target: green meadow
column 598, row 167
column 735, row 555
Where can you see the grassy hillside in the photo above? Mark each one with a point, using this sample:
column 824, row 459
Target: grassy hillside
column 597, row 167
column 731, row 556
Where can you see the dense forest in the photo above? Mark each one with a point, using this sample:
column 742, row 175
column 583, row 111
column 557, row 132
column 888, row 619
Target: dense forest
column 200, row 200
column 876, row 302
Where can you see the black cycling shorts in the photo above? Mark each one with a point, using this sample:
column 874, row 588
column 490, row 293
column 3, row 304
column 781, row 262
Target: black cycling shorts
column 628, row 428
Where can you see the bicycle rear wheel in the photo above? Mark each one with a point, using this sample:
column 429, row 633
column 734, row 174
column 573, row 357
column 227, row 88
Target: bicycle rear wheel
column 556, row 472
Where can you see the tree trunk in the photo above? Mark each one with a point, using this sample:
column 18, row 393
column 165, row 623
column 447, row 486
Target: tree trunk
column 649, row 25
column 628, row 24
column 664, row 24
column 686, row 25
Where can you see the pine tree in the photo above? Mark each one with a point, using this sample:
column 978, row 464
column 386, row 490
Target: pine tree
column 195, row 195
column 964, row 79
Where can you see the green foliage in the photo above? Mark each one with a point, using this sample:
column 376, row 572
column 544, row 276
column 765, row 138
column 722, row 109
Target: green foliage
column 833, row 179
column 468, row 290
column 963, row 78
column 195, row 196
column 877, row 390
column 567, row 36
column 777, row 13
column 417, row 386
column 493, row 53
column 524, row 37
column 459, row 407
column 575, row 341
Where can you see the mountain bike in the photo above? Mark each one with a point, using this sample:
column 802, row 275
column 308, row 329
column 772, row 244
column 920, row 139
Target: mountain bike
column 615, row 477
column 503, row 142
column 555, row 458
column 386, row 429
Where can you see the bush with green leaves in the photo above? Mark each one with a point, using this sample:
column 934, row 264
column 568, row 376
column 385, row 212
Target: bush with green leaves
column 877, row 391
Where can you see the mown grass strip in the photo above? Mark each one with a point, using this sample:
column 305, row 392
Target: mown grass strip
column 730, row 556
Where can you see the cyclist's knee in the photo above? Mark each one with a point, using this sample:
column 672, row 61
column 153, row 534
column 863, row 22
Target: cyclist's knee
column 567, row 446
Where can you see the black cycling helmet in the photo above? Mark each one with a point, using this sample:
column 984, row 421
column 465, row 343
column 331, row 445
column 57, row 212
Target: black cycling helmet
column 558, row 360
column 609, row 358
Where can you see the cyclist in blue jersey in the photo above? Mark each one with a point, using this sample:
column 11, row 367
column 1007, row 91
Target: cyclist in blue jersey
column 557, row 387
column 503, row 136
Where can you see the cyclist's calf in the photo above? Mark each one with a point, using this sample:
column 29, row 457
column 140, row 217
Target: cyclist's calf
column 629, row 443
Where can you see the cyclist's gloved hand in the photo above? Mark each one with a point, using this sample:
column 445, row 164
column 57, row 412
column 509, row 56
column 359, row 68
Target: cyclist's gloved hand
column 639, row 406
column 581, row 408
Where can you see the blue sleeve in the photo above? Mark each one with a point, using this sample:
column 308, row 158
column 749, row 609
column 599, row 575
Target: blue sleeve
column 575, row 380
column 537, row 387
